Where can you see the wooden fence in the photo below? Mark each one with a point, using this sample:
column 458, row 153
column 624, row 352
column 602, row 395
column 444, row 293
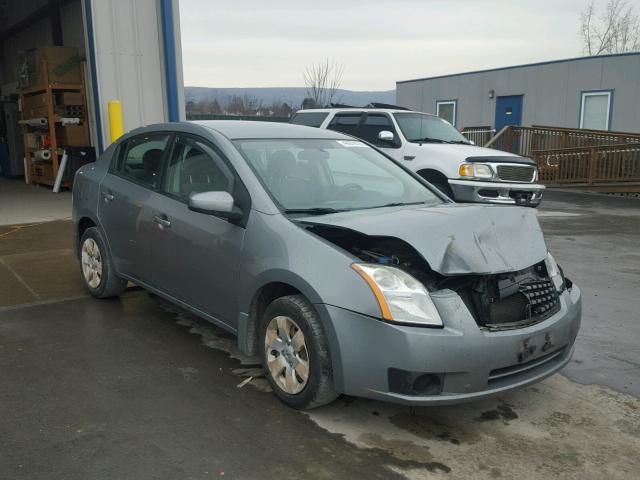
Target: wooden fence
column 600, row 167
column 525, row 140
column 478, row 135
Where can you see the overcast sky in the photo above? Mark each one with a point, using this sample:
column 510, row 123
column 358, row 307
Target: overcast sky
column 268, row 43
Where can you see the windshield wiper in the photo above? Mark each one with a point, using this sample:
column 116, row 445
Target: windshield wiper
column 429, row 140
column 314, row 211
column 397, row 204
column 439, row 140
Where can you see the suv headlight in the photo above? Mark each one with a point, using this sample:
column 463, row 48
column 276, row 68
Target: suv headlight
column 554, row 272
column 475, row 170
column 401, row 297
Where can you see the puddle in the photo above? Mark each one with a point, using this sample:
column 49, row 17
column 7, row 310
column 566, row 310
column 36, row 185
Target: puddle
column 219, row 339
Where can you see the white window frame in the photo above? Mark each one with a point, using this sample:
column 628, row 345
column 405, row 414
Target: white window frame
column 596, row 93
column 448, row 102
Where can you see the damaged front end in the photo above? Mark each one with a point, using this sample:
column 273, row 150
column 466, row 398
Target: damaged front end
column 506, row 300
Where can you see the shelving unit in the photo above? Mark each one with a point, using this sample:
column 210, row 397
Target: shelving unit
column 40, row 171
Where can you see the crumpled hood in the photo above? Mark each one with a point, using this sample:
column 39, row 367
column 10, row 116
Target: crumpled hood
column 454, row 239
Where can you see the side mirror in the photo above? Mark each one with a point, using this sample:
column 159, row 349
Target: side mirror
column 218, row 203
column 386, row 136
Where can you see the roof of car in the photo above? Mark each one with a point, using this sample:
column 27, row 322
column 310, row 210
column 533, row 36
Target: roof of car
column 237, row 129
column 358, row 110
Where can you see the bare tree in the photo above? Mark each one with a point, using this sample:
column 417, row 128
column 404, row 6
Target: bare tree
column 323, row 79
column 617, row 30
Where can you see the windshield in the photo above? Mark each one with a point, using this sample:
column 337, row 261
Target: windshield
column 324, row 176
column 417, row 127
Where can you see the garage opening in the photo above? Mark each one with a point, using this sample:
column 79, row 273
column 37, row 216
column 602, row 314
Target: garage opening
column 47, row 123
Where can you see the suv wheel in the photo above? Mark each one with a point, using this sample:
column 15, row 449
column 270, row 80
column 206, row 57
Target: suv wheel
column 295, row 355
column 96, row 266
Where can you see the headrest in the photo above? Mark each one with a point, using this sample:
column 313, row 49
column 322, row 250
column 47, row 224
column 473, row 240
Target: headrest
column 282, row 161
column 152, row 158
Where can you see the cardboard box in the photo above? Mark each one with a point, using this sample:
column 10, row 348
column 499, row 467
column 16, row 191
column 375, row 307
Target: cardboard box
column 71, row 98
column 34, row 106
column 73, row 136
column 55, row 64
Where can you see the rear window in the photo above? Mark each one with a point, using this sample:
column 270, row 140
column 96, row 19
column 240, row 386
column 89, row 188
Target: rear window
column 310, row 119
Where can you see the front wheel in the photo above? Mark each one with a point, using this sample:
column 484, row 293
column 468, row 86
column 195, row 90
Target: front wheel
column 444, row 187
column 96, row 266
column 295, row 354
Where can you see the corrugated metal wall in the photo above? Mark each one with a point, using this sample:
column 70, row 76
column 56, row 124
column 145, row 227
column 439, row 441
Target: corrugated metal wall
column 552, row 92
column 130, row 60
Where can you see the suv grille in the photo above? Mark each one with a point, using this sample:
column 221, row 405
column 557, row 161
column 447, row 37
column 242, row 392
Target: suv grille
column 543, row 297
column 516, row 173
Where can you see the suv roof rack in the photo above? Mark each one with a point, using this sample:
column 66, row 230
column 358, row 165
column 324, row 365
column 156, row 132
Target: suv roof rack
column 385, row 105
column 341, row 105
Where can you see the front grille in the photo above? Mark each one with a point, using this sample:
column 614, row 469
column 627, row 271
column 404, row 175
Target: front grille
column 516, row 173
column 543, row 297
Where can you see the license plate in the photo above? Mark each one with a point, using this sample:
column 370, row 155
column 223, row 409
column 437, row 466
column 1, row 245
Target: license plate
column 534, row 347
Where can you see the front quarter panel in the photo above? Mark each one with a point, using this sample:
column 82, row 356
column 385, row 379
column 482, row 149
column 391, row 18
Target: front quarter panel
column 278, row 250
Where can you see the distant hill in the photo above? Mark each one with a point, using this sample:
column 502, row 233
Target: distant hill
column 291, row 95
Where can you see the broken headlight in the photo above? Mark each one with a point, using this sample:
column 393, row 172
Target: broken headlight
column 554, row 272
column 401, row 297
column 475, row 170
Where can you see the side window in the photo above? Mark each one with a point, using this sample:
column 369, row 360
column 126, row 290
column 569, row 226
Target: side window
column 373, row 125
column 310, row 119
column 345, row 123
column 141, row 159
column 195, row 167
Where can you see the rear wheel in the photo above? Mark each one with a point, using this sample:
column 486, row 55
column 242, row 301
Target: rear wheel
column 96, row 266
column 295, row 354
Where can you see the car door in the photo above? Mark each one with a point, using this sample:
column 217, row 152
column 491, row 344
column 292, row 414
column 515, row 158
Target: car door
column 373, row 124
column 196, row 256
column 126, row 192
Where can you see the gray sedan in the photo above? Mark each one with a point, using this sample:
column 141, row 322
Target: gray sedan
column 344, row 271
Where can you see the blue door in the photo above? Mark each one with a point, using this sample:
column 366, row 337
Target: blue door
column 508, row 111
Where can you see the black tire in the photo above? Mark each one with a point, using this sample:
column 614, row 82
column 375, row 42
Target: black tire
column 109, row 284
column 319, row 389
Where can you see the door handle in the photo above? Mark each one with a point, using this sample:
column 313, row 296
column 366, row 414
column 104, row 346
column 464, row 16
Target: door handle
column 108, row 196
column 162, row 220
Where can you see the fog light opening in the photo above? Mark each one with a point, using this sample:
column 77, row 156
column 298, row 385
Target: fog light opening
column 427, row 384
column 415, row 383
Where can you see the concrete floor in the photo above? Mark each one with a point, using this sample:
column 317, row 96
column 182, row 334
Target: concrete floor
column 137, row 388
column 21, row 203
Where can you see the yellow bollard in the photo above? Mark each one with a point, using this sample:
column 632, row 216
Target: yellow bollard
column 116, row 127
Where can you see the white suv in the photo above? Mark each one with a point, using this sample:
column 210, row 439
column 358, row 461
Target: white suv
column 433, row 148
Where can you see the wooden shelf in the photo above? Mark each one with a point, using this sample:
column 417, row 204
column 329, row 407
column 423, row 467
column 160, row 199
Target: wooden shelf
column 46, row 172
column 52, row 86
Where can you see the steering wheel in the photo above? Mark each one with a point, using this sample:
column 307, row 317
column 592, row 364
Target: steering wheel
column 348, row 187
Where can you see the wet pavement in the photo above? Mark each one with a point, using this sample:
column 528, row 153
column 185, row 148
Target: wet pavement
column 137, row 388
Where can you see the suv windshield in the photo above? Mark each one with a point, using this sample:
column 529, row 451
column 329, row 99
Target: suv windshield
column 418, row 127
column 324, row 176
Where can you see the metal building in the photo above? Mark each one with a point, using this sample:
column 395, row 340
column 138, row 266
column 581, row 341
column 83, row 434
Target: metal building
column 600, row 93
column 129, row 51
